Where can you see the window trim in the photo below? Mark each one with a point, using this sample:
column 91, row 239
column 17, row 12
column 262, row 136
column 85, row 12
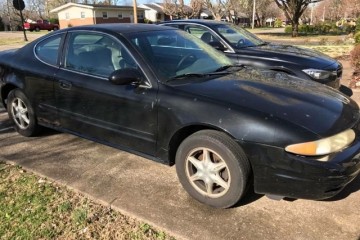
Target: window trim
column 67, row 15
column 60, row 50
column 107, row 16
column 82, row 15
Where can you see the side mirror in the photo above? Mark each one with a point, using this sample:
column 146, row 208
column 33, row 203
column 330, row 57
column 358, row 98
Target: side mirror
column 125, row 76
column 217, row 46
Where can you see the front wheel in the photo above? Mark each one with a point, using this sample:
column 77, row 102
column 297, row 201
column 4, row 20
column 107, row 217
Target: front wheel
column 22, row 114
column 212, row 168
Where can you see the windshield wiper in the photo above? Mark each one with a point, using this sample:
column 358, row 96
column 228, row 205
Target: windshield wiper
column 220, row 69
column 196, row 75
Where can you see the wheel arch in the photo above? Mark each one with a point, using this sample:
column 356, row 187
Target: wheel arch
column 5, row 90
column 181, row 134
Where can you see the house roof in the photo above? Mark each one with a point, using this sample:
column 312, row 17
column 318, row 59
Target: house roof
column 154, row 7
column 159, row 7
column 92, row 6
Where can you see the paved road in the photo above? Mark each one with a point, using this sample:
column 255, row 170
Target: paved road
column 151, row 192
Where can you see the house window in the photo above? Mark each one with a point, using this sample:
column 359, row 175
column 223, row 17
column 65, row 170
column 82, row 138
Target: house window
column 158, row 16
column 67, row 15
column 120, row 15
column 140, row 16
column 82, row 14
column 104, row 15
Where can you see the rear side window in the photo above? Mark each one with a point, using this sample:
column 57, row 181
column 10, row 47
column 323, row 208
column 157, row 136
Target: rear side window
column 48, row 49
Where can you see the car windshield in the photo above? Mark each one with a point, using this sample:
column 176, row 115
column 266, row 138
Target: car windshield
column 174, row 53
column 238, row 37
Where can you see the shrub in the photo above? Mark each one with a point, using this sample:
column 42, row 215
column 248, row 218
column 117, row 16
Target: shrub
column 347, row 28
column 278, row 23
column 288, row 29
column 54, row 20
column 357, row 29
column 355, row 57
column 357, row 38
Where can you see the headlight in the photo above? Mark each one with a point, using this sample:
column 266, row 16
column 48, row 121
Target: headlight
column 323, row 146
column 318, row 74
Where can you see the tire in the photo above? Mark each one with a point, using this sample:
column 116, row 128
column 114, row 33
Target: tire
column 22, row 114
column 55, row 29
column 37, row 29
column 227, row 172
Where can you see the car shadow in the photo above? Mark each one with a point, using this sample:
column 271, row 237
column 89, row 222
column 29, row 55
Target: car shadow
column 249, row 197
column 352, row 187
column 6, row 126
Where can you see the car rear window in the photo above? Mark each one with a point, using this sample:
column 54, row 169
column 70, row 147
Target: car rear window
column 48, row 49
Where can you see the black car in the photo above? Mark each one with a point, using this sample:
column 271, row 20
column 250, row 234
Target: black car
column 246, row 48
column 161, row 93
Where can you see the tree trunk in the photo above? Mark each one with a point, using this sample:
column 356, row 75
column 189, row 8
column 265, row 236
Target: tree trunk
column 295, row 29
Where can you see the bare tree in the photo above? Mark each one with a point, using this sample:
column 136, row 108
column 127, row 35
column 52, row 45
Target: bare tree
column 170, row 8
column 293, row 9
column 196, row 6
column 217, row 8
column 10, row 15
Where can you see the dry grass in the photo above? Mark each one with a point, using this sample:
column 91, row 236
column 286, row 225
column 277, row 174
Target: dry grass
column 34, row 208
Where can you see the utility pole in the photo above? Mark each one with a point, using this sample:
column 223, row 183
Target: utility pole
column 135, row 11
column 253, row 16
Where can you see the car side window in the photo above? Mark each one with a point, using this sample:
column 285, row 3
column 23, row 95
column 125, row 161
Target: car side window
column 202, row 33
column 48, row 49
column 96, row 54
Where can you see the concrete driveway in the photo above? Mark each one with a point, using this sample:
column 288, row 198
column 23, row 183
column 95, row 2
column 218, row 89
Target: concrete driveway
column 150, row 191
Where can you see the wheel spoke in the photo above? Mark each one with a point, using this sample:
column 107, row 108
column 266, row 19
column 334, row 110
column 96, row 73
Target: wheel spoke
column 195, row 162
column 22, row 122
column 219, row 181
column 209, row 187
column 25, row 118
column 206, row 156
column 196, row 177
column 15, row 106
column 219, row 166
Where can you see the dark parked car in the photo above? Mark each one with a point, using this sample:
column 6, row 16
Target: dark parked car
column 246, row 48
column 161, row 93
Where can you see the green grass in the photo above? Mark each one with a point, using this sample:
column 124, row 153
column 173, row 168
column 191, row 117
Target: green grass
column 331, row 50
column 10, row 41
column 34, row 208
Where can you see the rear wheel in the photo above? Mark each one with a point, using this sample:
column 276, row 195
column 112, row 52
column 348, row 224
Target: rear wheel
column 212, row 168
column 22, row 113
column 37, row 29
column 55, row 29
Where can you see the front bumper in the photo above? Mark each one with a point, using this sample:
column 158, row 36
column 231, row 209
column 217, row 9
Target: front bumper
column 277, row 172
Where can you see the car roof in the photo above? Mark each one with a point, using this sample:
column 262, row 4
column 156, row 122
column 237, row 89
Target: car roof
column 198, row 21
column 121, row 27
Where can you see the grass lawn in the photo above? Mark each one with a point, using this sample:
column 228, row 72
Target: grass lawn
column 333, row 51
column 34, row 208
column 10, row 41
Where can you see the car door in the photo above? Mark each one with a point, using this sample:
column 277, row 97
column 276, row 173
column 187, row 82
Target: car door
column 40, row 77
column 89, row 105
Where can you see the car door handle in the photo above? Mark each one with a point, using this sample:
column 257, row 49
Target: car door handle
column 65, row 85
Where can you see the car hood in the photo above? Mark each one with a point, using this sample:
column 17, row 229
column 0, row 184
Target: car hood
column 310, row 105
column 291, row 54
